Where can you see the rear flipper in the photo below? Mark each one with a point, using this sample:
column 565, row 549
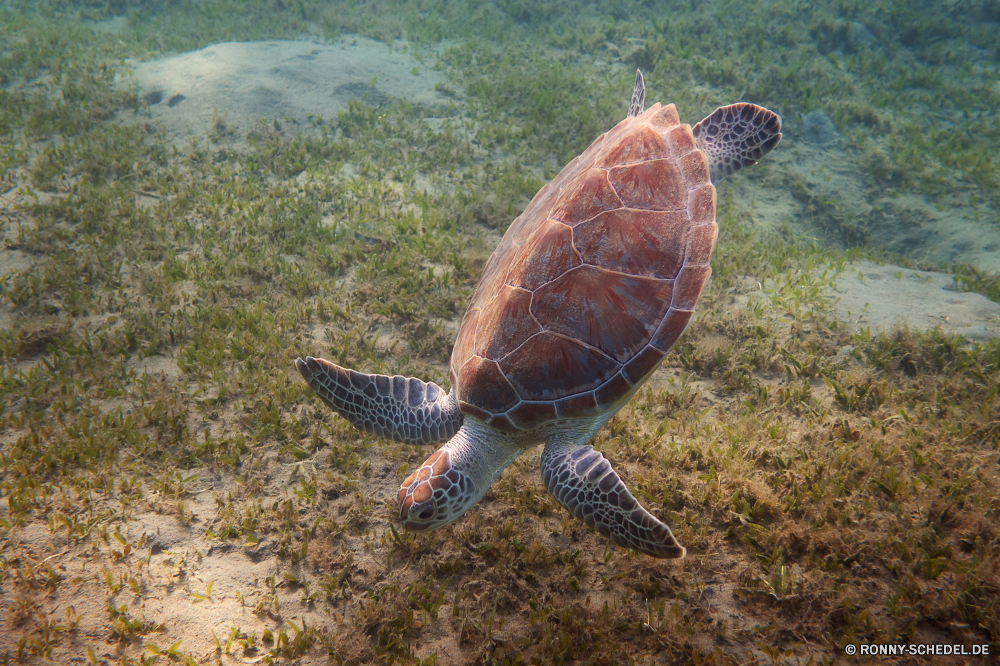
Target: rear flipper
column 582, row 480
column 405, row 409
column 638, row 102
column 736, row 136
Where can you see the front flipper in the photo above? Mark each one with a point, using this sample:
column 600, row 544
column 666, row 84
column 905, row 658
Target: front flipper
column 582, row 480
column 405, row 409
column 736, row 136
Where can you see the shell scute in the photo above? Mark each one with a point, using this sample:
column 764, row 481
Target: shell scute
column 699, row 244
column 508, row 319
column 482, row 384
column 634, row 242
column 644, row 144
column 593, row 156
column 577, row 406
column 496, row 270
column 528, row 415
column 664, row 118
column 612, row 391
column 670, row 329
column 587, row 196
column 681, row 140
column 474, row 410
column 653, row 185
column 701, row 205
column 465, row 343
column 550, row 366
column 501, row 422
column 688, row 287
column 642, row 364
column 547, row 253
column 612, row 312
column 694, row 167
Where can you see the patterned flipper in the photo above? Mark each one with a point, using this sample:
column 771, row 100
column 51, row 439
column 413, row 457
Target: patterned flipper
column 582, row 480
column 736, row 136
column 405, row 409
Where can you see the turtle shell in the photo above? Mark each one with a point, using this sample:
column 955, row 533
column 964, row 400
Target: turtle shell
column 593, row 283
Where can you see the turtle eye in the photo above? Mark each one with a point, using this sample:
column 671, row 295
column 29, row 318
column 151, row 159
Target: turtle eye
column 426, row 513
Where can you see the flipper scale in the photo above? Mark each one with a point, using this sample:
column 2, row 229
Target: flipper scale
column 736, row 136
column 405, row 409
column 583, row 481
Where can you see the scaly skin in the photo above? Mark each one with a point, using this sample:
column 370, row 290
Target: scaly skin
column 405, row 409
column 583, row 481
column 736, row 136
column 455, row 477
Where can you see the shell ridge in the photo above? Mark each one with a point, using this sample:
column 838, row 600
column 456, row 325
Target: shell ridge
column 558, row 335
column 612, row 378
column 605, row 270
column 591, row 219
column 474, row 356
column 648, row 345
column 612, row 271
column 526, row 341
column 475, row 333
column 607, row 178
column 513, row 255
column 576, row 250
column 572, row 244
column 573, row 268
column 672, row 310
column 535, row 319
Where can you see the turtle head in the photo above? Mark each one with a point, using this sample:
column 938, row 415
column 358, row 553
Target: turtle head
column 454, row 477
column 435, row 494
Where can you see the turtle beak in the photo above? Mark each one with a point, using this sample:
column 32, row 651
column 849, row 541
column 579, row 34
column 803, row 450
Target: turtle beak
column 422, row 516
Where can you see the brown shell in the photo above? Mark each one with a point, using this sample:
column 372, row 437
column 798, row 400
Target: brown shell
column 594, row 282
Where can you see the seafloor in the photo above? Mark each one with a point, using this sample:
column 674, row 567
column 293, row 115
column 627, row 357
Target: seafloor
column 194, row 193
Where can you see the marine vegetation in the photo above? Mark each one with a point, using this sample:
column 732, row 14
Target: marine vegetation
column 173, row 492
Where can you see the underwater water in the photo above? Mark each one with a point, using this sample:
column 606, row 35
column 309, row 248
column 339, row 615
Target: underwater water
column 194, row 194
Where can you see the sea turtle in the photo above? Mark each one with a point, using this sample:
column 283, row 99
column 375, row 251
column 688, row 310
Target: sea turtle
column 589, row 288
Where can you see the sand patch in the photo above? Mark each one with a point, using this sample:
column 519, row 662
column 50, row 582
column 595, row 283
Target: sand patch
column 884, row 297
column 224, row 90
